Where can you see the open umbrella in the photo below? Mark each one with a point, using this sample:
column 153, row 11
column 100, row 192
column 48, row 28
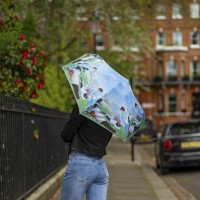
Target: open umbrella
column 104, row 96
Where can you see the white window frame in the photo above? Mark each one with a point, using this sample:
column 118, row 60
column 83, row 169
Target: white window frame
column 81, row 14
column 177, row 38
column 172, row 103
column 99, row 39
column 176, row 11
column 171, row 68
column 194, row 11
column 193, row 70
column 197, row 39
column 161, row 38
column 160, row 11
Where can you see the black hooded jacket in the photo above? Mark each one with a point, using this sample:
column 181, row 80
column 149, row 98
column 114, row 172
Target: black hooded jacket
column 85, row 135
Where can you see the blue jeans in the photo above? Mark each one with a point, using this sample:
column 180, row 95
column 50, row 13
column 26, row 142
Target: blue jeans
column 85, row 175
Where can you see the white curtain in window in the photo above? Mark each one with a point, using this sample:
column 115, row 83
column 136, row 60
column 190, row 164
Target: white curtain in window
column 177, row 38
column 160, row 11
column 176, row 11
column 172, row 68
column 194, row 10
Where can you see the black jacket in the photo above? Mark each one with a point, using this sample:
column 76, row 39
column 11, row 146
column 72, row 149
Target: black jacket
column 85, row 135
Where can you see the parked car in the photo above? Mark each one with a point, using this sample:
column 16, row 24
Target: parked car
column 178, row 145
column 147, row 134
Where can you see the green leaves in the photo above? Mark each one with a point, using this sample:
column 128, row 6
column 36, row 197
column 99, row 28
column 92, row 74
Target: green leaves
column 21, row 64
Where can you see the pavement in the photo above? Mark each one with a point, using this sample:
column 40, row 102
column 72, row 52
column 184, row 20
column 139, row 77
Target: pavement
column 129, row 180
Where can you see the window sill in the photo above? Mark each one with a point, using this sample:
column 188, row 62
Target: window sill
column 171, row 48
column 161, row 17
column 170, row 114
column 195, row 46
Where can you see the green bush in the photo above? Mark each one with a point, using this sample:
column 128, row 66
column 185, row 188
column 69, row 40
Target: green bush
column 22, row 64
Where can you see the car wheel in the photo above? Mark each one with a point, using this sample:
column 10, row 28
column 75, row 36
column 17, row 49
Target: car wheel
column 163, row 170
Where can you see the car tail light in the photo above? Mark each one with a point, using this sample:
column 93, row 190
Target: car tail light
column 168, row 145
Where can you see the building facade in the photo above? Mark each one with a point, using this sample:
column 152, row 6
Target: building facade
column 172, row 74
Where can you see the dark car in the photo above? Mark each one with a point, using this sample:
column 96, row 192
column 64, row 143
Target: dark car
column 178, row 145
column 147, row 134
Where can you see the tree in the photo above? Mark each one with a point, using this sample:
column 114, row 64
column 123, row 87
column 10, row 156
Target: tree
column 70, row 38
column 63, row 29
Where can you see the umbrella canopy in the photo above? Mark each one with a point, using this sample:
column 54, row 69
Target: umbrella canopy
column 104, row 96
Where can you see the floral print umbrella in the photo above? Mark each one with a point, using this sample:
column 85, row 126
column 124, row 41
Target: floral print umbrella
column 104, row 96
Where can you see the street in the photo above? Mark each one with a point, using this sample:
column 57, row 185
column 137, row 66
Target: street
column 183, row 182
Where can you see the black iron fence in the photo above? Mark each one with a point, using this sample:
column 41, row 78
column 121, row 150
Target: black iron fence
column 31, row 148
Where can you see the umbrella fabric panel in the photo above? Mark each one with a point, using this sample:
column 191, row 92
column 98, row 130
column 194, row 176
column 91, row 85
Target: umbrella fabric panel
column 104, row 96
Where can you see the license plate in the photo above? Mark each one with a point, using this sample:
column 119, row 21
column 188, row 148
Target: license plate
column 192, row 144
column 145, row 137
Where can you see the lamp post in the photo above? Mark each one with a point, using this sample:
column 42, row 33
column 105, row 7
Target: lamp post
column 94, row 28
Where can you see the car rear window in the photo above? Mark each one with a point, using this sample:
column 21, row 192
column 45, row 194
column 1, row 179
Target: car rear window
column 187, row 128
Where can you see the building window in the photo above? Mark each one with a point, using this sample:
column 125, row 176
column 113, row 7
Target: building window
column 116, row 45
column 135, row 11
column 176, row 11
column 161, row 38
column 99, row 41
column 177, row 38
column 81, row 14
column 195, row 38
column 184, row 74
column 172, row 103
column 194, row 10
column 196, row 70
column 160, row 11
column 160, row 69
column 172, row 69
column 183, row 103
column 161, row 103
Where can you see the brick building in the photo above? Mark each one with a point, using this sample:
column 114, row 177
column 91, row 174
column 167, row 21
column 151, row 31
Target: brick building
column 173, row 76
column 173, row 73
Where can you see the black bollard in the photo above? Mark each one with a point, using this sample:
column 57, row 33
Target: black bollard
column 132, row 149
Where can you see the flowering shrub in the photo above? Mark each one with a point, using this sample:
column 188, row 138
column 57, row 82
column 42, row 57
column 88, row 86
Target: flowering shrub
column 22, row 65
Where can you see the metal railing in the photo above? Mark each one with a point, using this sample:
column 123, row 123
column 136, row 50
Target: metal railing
column 31, row 148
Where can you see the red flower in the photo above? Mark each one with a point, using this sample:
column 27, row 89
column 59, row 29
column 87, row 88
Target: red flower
column 33, row 47
column 23, row 88
column 40, row 85
column 39, row 77
column 28, row 71
column 21, row 63
column 42, row 52
column 25, row 54
column 34, row 61
column 18, row 81
column 22, row 37
column 1, row 21
column 33, row 94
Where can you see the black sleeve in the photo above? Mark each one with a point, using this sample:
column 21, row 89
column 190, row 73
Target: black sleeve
column 72, row 126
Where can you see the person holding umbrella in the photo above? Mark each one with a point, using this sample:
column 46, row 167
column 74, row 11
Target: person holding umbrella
column 86, row 172
column 104, row 107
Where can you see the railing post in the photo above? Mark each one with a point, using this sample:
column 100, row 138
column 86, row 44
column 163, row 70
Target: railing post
column 132, row 149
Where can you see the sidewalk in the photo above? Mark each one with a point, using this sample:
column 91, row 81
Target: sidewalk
column 129, row 180
column 133, row 180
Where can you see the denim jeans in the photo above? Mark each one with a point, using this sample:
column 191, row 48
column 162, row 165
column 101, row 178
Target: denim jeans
column 85, row 175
